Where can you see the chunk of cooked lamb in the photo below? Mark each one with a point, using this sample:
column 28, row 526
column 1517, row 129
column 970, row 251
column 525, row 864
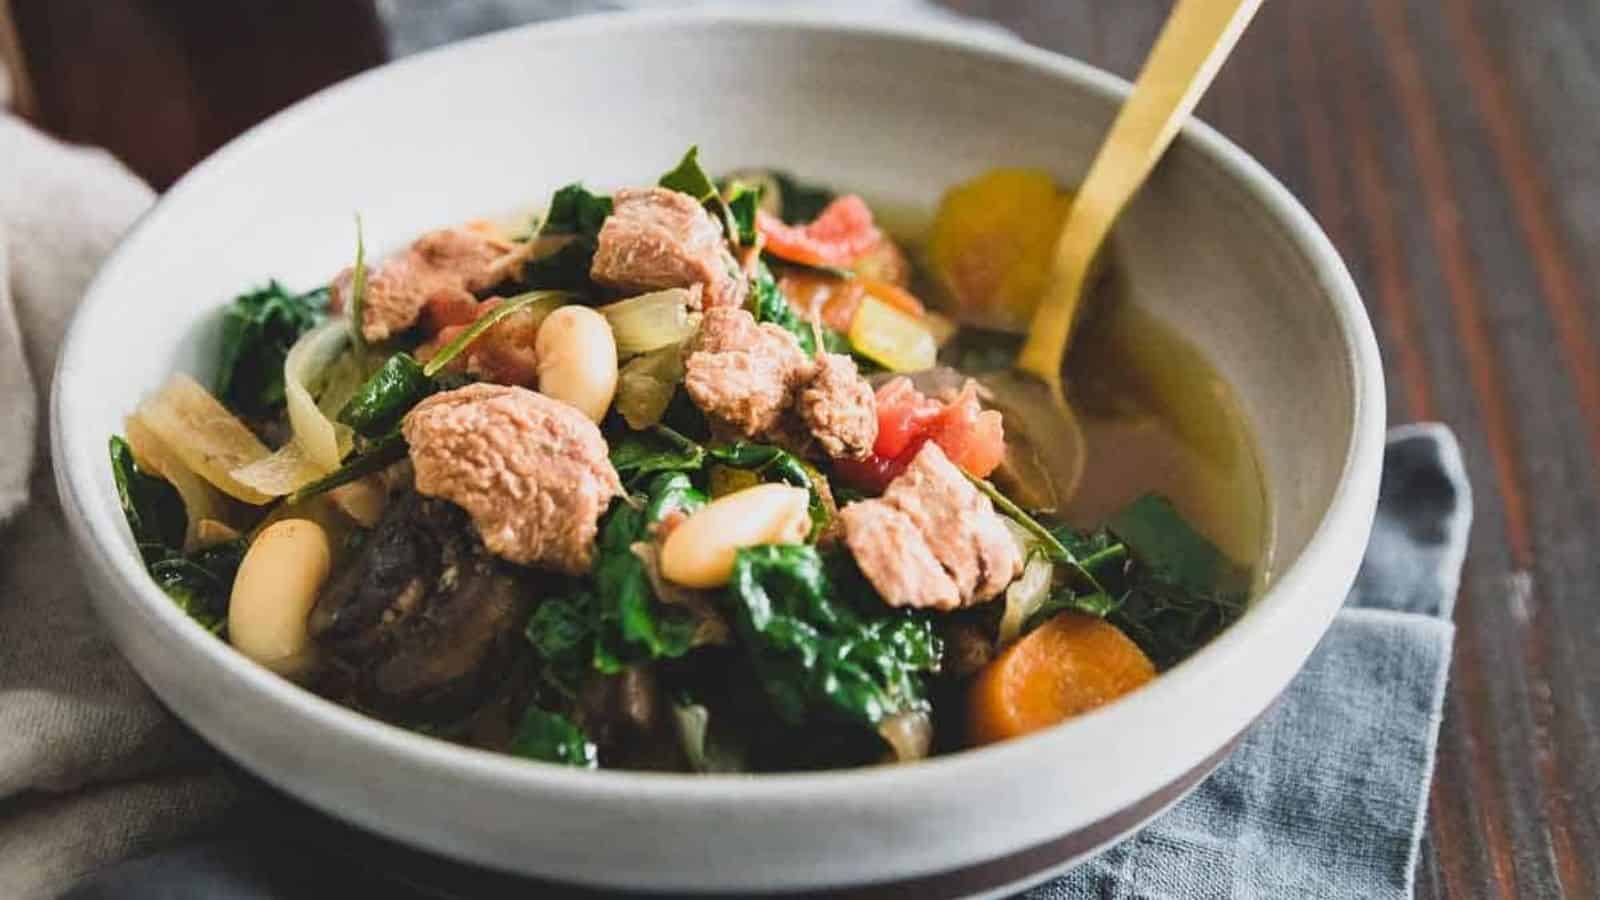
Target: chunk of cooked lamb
column 657, row 238
column 532, row 472
column 839, row 408
column 744, row 375
column 450, row 262
column 931, row 511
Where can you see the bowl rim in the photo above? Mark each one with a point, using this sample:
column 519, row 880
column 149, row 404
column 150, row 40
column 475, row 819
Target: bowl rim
column 97, row 527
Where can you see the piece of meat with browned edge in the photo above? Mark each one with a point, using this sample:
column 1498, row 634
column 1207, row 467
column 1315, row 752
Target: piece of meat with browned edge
column 743, row 375
column 532, row 472
column 896, row 558
column 932, row 512
column 839, row 408
column 421, row 624
column 657, row 238
column 451, row 261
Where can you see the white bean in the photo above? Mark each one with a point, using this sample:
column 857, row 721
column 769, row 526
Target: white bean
column 577, row 360
column 700, row 551
column 273, row 594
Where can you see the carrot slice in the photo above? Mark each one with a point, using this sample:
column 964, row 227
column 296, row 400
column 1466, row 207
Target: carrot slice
column 1065, row 667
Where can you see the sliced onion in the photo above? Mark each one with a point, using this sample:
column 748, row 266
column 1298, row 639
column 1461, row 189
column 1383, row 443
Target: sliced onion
column 282, row 472
column 652, row 321
column 645, row 385
column 202, row 502
column 323, row 442
column 909, row 734
column 210, row 441
column 1032, row 587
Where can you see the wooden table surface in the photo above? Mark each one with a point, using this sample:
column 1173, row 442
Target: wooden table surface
column 1451, row 148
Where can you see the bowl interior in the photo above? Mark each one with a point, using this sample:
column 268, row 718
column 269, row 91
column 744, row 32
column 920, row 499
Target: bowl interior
column 1212, row 245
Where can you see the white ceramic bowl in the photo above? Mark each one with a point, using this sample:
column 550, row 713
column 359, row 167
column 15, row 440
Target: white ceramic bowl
column 1214, row 245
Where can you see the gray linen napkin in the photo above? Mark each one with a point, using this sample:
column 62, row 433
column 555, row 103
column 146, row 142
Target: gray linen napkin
column 92, row 767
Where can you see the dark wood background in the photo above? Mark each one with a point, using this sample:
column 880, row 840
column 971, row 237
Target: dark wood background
column 1451, row 148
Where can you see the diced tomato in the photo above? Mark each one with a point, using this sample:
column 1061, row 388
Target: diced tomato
column 904, row 416
column 841, row 234
column 971, row 436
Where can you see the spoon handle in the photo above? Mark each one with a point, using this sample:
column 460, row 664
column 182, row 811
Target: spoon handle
column 1196, row 38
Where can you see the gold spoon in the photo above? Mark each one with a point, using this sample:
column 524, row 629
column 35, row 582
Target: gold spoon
column 1197, row 37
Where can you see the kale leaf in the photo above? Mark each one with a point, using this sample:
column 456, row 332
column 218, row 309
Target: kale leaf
column 258, row 329
column 551, row 737
column 575, row 210
column 154, row 511
column 561, row 631
column 688, row 178
column 768, row 304
column 662, row 449
column 199, row 582
column 1170, row 547
column 1153, row 576
column 818, row 658
column 658, row 449
column 743, row 201
column 801, row 202
column 632, row 625
column 772, row 463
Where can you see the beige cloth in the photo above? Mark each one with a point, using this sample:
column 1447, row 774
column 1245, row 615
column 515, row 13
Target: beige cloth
column 92, row 768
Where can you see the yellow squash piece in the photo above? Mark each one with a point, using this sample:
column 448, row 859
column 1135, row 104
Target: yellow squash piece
column 992, row 245
column 892, row 339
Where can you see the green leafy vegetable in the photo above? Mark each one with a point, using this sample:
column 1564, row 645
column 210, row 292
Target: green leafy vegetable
column 743, row 200
column 801, row 202
column 777, row 464
column 199, row 582
column 1170, row 547
column 767, row 304
column 562, row 635
column 1153, row 576
column 567, row 269
column 658, row 449
column 816, row 657
column 575, row 210
column 378, row 405
column 688, row 178
column 152, row 506
column 551, row 737
column 632, row 624
column 258, row 329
